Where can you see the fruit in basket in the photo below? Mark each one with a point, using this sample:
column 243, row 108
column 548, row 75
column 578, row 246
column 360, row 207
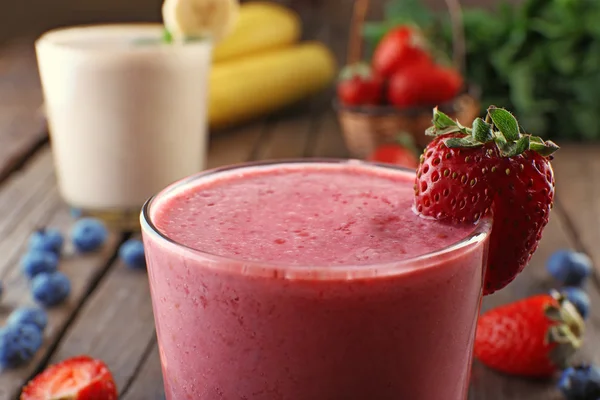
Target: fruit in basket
column 401, row 47
column 492, row 169
column 404, row 68
column 402, row 152
column 423, row 84
column 359, row 85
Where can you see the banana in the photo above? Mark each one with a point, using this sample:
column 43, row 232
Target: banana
column 186, row 19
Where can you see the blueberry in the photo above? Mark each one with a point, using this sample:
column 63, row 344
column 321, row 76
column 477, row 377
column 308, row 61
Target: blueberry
column 580, row 383
column 50, row 289
column 29, row 315
column 569, row 267
column 88, row 234
column 50, row 240
column 132, row 254
column 579, row 298
column 36, row 262
column 18, row 344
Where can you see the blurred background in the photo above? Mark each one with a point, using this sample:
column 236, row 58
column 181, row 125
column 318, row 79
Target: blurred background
column 31, row 17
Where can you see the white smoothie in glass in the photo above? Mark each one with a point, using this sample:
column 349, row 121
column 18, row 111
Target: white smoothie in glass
column 126, row 114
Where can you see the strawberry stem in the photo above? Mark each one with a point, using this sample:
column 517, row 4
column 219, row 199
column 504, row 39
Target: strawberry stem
column 499, row 126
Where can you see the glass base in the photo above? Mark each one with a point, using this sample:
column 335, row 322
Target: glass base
column 115, row 219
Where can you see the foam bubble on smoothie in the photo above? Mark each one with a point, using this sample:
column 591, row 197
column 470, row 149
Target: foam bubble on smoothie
column 311, row 215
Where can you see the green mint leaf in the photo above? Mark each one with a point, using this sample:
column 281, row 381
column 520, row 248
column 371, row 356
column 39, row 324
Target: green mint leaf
column 441, row 120
column 505, row 122
column 482, row 131
column 167, row 37
column 465, row 142
column 545, row 148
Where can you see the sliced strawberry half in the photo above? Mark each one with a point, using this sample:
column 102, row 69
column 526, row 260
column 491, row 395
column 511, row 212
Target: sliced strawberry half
column 78, row 378
column 491, row 169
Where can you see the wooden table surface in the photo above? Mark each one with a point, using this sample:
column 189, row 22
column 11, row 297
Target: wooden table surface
column 109, row 315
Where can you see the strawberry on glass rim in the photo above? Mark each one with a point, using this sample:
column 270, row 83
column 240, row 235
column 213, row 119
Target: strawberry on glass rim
column 489, row 169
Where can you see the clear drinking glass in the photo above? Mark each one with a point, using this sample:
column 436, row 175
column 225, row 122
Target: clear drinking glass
column 234, row 329
column 126, row 114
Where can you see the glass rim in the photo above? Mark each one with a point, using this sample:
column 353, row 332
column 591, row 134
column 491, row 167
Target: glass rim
column 51, row 36
column 480, row 233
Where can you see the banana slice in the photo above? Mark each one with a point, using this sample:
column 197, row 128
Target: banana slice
column 200, row 18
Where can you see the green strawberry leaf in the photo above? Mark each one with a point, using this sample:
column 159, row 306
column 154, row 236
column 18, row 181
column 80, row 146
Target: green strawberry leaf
column 505, row 122
column 543, row 148
column 482, row 131
column 441, row 120
column 514, row 148
column 433, row 131
column 465, row 142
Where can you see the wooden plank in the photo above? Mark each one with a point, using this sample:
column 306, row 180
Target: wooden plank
column 116, row 324
column 577, row 171
column 22, row 127
column 236, row 145
column 329, row 142
column 149, row 383
column 573, row 230
column 40, row 205
column 286, row 138
column 489, row 385
column 486, row 384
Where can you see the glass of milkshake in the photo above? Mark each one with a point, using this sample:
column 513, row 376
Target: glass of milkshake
column 126, row 109
column 310, row 279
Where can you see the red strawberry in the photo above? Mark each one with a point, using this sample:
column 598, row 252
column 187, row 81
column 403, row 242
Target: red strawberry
column 358, row 85
column 423, row 85
column 402, row 153
column 401, row 47
column 78, row 378
column 533, row 337
column 491, row 169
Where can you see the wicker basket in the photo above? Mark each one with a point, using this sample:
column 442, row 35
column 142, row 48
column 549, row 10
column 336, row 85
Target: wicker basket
column 366, row 127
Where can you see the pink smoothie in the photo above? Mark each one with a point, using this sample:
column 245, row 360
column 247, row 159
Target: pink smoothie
column 310, row 281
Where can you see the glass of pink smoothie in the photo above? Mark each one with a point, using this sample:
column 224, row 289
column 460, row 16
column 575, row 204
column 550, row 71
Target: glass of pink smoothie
column 310, row 280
